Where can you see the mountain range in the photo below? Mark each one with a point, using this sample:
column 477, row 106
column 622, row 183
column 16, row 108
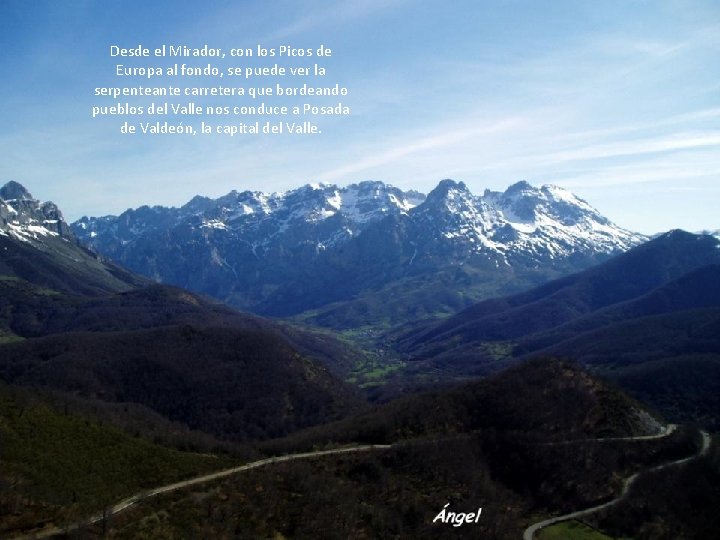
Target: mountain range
column 75, row 323
column 648, row 318
column 306, row 250
column 88, row 348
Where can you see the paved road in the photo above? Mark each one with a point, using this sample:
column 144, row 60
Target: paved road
column 529, row 533
column 666, row 431
column 134, row 499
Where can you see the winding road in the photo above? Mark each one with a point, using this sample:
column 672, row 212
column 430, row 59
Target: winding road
column 134, row 499
column 666, row 431
column 529, row 533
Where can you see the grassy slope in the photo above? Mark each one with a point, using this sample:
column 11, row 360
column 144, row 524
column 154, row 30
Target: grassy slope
column 571, row 530
column 55, row 468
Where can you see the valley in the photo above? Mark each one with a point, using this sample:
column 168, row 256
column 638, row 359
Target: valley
column 397, row 352
column 287, row 254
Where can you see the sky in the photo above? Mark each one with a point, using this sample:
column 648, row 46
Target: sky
column 617, row 101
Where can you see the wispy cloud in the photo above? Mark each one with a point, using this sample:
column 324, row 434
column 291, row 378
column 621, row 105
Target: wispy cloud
column 677, row 169
column 447, row 136
column 670, row 143
column 487, row 92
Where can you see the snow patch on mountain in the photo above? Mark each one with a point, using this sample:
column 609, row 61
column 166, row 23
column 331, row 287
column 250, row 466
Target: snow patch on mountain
column 540, row 223
column 26, row 219
column 522, row 225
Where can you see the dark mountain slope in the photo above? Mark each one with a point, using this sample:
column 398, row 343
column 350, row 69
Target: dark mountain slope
column 521, row 441
column 235, row 383
column 683, row 387
column 38, row 246
column 28, row 311
column 656, row 307
column 69, row 323
column 622, row 278
column 698, row 289
column 544, row 398
column 669, row 361
column 51, row 284
column 64, row 266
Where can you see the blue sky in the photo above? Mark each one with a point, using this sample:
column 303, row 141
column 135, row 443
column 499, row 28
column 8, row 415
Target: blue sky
column 616, row 101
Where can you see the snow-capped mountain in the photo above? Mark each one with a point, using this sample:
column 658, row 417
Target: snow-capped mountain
column 321, row 243
column 545, row 223
column 316, row 215
column 37, row 246
column 26, row 218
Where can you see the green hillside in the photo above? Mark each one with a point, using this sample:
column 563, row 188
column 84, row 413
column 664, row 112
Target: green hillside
column 55, row 468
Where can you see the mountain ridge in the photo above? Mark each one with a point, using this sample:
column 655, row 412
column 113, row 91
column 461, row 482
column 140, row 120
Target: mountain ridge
column 286, row 253
column 636, row 272
column 647, row 319
column 39, row 246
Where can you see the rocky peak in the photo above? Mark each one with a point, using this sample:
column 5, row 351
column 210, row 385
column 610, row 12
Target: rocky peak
column 14, row 191
column 447, row 188
column 450, row 199
column 26, row 218
column 520, row 187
